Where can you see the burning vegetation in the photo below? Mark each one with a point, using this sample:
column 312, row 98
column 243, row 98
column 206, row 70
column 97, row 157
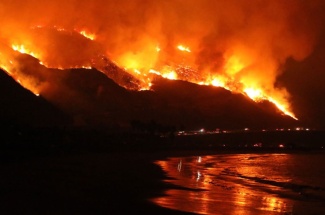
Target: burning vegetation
column 238, row 45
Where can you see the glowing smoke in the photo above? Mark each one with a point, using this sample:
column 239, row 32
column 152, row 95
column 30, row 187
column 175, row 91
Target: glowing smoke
column 238, row 42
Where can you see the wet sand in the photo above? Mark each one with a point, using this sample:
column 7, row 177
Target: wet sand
column 80, row 174
column 247, row 183
column 82, row 183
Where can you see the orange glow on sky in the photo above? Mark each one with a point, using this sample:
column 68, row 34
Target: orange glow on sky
column 232, row 44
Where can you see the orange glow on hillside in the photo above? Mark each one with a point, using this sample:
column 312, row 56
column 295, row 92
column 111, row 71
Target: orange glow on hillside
column 232, row 67
column 170, row 75
column 88, row 35
column 255, row 94
column 22, row 49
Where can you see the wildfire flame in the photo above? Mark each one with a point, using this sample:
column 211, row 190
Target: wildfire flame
column 233, row 66
column 88, row 35
column 183, row 48
column 23, row 50
column 231, row 44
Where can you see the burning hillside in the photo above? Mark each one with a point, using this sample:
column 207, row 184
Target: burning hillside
column 236, row 45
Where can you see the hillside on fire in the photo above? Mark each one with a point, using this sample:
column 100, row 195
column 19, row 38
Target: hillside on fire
column 90, row 98
column 191, row 63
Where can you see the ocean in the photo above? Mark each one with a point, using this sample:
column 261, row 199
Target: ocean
column 246, row 183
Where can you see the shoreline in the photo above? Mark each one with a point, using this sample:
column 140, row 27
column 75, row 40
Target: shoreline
column 97, row 174
column 87, row 183
column 92, row 183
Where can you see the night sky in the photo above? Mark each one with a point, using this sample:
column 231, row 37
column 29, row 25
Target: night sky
column 305, row 82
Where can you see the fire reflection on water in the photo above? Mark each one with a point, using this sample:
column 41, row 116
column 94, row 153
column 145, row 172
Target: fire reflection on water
column 233, row 184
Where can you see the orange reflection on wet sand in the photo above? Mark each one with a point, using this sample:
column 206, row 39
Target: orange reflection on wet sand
column 228, row 184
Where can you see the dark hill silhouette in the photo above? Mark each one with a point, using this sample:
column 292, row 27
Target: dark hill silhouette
column 215, row 107
column 100, row 101
column 91, row 98
column 21, row 107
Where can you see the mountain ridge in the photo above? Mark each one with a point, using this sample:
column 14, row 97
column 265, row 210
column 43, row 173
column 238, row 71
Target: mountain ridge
column 91, row 98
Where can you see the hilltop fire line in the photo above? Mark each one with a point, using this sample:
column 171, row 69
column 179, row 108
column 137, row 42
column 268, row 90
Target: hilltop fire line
column 138, row 79
column 135, row 79
column 231, row 44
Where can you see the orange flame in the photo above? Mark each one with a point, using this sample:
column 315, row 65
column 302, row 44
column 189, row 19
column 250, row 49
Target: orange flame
column 22, row 49
column 183, row 48
column 233, row 66
column 87, row 35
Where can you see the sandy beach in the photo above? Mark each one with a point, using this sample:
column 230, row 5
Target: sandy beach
column 86, row 176
column 82, row 183
column 248, row 183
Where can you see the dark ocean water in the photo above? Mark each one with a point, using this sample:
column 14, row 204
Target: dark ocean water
column 263, row 183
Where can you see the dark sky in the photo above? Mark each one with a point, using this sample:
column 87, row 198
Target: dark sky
column 305, row 80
